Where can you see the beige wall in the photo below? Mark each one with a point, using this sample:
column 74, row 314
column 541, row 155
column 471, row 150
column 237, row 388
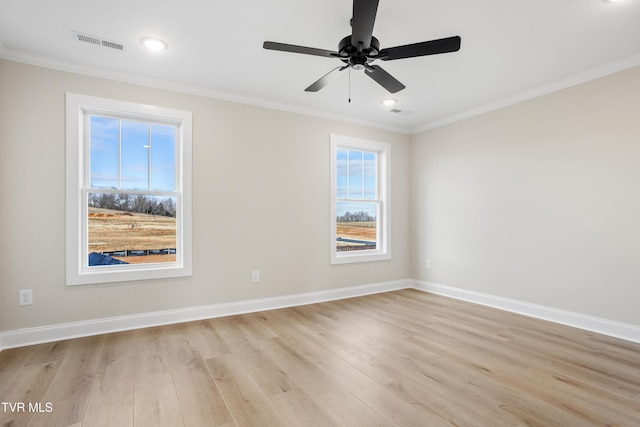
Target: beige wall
column 539, row 201
column 261, row 202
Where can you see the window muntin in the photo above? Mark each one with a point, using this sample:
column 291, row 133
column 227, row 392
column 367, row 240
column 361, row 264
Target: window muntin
column 359, row 208
column 131, row 155
column 131, row 197
column 129, row 191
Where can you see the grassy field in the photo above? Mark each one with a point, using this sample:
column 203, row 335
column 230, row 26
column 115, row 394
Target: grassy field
column 111, row 230
column 355, row 230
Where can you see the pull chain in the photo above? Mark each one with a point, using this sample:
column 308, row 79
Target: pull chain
column 349, row 85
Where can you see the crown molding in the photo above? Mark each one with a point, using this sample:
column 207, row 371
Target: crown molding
column 142, row 80
column 595, row 73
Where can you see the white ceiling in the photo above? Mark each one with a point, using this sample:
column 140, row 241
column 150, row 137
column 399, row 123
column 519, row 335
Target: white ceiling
column 511, row 50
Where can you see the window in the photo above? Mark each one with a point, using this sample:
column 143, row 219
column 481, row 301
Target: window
column 128, row 191
column 359, row 200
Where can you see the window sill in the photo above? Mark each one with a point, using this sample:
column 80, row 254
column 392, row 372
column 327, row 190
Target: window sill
column 351, row 257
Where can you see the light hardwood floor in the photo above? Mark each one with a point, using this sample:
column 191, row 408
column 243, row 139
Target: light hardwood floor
column 403, row 358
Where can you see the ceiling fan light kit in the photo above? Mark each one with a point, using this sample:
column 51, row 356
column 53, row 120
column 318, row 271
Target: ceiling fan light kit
column 358, row 50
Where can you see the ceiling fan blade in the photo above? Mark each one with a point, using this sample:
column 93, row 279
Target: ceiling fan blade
column 383, row 78
column 432, row 47
column 283, row 47
column 324, row 80
column 364, row 16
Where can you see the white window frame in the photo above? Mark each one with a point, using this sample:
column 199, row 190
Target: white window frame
column 383, row 234
column 77, row 170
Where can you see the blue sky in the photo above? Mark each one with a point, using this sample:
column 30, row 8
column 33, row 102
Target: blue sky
column 147, row 152
column 355, row 181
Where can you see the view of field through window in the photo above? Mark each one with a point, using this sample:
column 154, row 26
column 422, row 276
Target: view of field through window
column 357, row 205
column 131, row 204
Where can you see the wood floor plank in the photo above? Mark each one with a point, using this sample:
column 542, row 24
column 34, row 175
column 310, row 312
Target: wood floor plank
column 252, row 327
column 489, row 390
column 585, row 362
column 242, row 327
column 532, row 416
column 179, row 354
column 118, row 357
column 205, row 339
column 161, row 349
column 411, row 377
column 11, row 361
column 111, row 401
column 70, row 390
column 389, row 405
column 29, row 386
column 156, row 401
column 270, row 377
column 298, row 409
column 248, row 404
column 394, row 408
column 148, row 350
column 49, row 352
column 592, row 404
column 201, row 402
column 328, row 394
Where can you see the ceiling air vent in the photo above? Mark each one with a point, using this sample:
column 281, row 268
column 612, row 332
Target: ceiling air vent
column 401, row 112
column 98, row 41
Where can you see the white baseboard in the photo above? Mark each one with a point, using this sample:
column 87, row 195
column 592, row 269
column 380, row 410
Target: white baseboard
column 29, row 336
column 589, row 323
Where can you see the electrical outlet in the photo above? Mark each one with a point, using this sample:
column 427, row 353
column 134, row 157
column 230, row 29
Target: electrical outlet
column 255, row 277
column 25, row 297
column 428, row 264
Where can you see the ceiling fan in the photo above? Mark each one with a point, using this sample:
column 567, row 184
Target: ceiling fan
column 360, row 49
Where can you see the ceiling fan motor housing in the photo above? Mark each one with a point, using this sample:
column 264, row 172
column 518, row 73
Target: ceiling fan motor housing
column 357, row 58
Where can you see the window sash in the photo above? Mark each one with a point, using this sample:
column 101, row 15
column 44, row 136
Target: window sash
column 364, row 171
column 85, row 232
column 149, row 121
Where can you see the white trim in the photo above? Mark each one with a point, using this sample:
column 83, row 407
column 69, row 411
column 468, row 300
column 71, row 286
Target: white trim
column 30, row 336
column 106, row 73
column 611, row 328
column 152, row 82
column 44, row 334
column 574, row 80
column 77, row 106
column 383, row 199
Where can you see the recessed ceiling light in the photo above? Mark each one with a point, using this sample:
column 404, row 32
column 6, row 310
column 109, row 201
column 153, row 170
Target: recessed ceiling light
column 389, row 102
column 153, row 43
